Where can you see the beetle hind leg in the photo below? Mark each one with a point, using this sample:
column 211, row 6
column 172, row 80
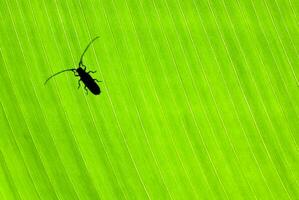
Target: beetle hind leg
column 86, row 89
column 97, row 80
column 79, row 83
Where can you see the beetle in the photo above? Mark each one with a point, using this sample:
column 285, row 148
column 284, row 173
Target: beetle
column 85, row 76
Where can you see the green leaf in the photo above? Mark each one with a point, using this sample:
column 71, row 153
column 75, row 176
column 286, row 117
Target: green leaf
column 199, row 100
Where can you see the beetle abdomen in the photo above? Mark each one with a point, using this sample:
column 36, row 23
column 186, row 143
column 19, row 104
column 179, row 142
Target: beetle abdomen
column 89, row 81
column 93, row 87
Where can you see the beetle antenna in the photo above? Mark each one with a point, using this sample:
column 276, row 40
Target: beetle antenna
column 73, row 69
column 81, row 59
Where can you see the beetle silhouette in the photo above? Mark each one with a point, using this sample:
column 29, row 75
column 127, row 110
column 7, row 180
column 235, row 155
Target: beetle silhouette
column 85, row 77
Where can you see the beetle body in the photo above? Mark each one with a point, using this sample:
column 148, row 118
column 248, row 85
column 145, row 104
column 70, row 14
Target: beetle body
column 85, row 76
column 88, row 81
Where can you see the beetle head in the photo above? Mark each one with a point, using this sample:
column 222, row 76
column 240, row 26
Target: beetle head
column 80, row 70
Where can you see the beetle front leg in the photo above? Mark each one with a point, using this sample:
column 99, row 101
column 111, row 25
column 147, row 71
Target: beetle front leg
column 74, row 71
column 92, row 72
column 81, row 64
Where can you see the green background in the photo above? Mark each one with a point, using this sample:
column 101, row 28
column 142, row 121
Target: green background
column 199, row 99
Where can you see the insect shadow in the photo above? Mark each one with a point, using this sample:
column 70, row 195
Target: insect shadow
column 85, row 77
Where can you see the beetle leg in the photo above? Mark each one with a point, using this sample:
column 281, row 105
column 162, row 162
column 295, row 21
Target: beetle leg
column 81, row 64
column 97, row 80
column 92, row 72
column 86, row 89
column 79, row 83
